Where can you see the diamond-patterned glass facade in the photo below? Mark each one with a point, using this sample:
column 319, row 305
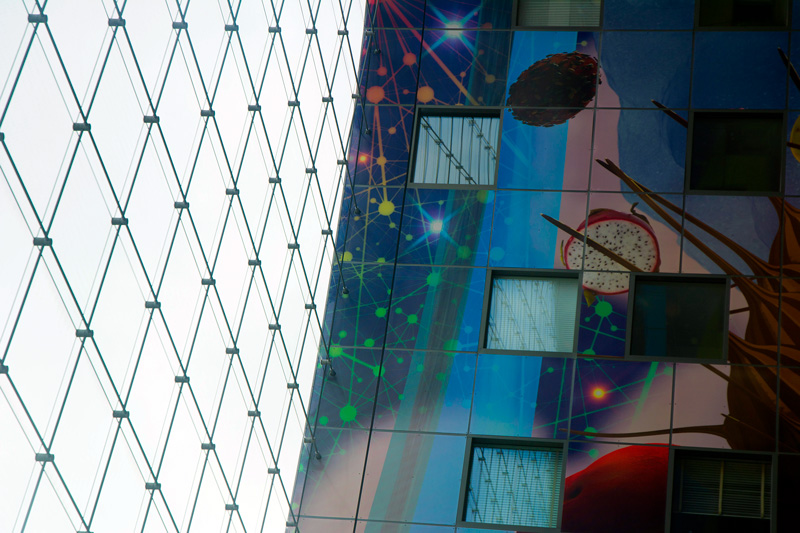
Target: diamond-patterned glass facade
column 172, row 173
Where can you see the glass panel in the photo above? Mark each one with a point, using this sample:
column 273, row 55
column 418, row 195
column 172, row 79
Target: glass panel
column 532, row 314
column 454, row 150
column 517, row 486
column 679, row 318
column 736, row 152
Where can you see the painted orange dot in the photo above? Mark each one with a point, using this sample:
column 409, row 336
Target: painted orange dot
column 392, row 130
column 481, row 52
column 409, row 59
column 490, row 78
column 375, row 94
column 406, row 91
column 425, row 94
column 486, row 26
column 381, row 160
column 362, row 158
column 462, row 74
column 598, row 393
column 382, row 71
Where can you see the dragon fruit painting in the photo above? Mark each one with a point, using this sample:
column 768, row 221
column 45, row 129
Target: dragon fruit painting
column 628, row 235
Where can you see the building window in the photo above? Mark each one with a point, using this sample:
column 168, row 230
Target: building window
column 559, row 13
column 736, row 152
column 456, row 149
column 679, row 317
column 721, row 492
column 535, row 314
column 742, row 13
column 516, row 484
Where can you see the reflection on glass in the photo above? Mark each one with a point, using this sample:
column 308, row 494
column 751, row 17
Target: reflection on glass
column 532, row 314
column 513, row 485
column 456, row 150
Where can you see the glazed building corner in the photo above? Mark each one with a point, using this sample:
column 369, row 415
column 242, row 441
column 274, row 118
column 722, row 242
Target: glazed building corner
column 567, row 293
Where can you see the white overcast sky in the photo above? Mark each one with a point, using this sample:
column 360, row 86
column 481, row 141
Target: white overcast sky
column 62, row 390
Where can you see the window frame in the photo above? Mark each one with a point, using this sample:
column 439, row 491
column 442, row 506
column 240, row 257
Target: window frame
column 678, row 279
column 515, row 443
column 515, row 25
column 728, row 112
column 785, row 26
column 453, row 111
column 492, row 273
column 722, row 455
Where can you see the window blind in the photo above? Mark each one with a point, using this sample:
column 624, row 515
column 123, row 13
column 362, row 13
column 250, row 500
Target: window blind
column 559, row 13
column 725, row 487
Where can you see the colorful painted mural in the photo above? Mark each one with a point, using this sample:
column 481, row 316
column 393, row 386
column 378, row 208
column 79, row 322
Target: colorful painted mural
column 594, row 139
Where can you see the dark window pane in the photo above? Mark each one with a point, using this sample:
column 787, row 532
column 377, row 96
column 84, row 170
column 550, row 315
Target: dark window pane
column 736, row 152
column 742, row 13
column 679, row 318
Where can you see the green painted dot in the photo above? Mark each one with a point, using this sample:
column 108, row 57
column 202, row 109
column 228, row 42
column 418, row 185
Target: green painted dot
column 342, row 452
column 301, row 468
column 497, row 253
column 420, row 367
column 433, row 279
column 484, row 196
column 441, row 202
column 336, row 351
column 380, row 312
column 463, row 252
column 409, row 237
column 590, row 429
column 668, row 370
column 603, row 309
column 369, row 343
column 451, row 344
column 593, row 453
column 323, row 420
column 401, row 396
column 359, row 380
column 378, row 371
column 381, row 260
column 400, row 360
column 550, row 370
column 412, row 319
column 440, row 376
column 588, row 351
column 613, row 328
column 342, row 334
column 392, row 225
column 398, row 310
column 587, row 319
column 347, row 413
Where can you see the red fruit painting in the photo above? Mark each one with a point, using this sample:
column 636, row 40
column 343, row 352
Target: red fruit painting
column 623, row 491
